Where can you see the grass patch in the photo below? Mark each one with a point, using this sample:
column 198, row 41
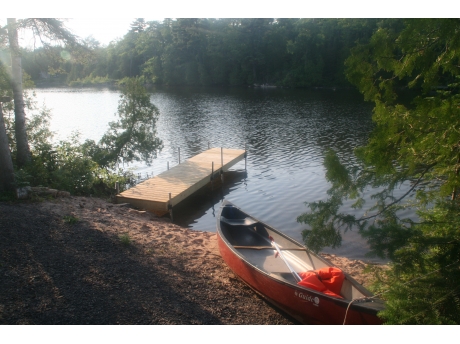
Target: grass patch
column 70, row 219
column 125, row 239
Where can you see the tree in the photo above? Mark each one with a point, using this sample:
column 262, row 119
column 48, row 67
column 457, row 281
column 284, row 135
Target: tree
column 22, row 144
column 6, row 163
column 229, row 51
column 133, row 136
column 46, row 30
column 409, row 69
column 138, row 25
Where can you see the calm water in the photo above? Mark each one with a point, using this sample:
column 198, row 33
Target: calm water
column 286, row 132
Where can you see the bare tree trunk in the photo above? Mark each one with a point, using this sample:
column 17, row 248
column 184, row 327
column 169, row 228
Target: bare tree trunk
column 6, row 164
column 22, row 144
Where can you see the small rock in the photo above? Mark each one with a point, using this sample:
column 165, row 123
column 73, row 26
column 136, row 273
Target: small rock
column 24, row 192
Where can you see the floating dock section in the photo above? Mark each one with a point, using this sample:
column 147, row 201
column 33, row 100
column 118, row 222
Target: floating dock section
column 165, row 190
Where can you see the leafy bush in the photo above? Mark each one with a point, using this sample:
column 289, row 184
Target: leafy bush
column 90, row 168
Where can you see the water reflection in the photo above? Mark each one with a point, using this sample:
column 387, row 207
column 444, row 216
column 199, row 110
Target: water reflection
column 286, row 132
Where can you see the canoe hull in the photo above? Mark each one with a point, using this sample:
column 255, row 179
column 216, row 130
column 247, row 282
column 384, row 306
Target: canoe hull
column 305, row 305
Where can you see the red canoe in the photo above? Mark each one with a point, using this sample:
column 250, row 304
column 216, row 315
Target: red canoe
column 291, row 277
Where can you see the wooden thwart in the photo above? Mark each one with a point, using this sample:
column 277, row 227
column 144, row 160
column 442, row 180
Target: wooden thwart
column 180, row 181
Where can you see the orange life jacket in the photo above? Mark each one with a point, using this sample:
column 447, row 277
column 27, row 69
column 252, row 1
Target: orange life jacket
column 326, row 280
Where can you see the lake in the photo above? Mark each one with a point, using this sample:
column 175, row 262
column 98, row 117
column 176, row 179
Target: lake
column 286, row 133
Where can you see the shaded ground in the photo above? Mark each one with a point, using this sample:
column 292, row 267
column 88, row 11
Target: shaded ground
column 84, row 261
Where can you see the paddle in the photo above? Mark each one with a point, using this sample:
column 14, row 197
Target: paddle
column 296, row 276
column 268, row 248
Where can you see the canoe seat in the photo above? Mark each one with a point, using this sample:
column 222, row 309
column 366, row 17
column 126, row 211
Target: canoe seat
column 240, row 234
column 247, row 221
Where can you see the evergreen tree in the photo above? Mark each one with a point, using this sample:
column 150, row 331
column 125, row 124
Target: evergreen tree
column 409, row 69
column 138, row 25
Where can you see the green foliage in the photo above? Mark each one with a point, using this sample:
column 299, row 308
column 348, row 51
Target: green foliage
column 125, row 239
column 70, row 219
column 133, row 136
column 415, row 143
column 69, row 167
column 92, row 168
column 200, row 51
column 66, row 166
column 74, row 170
column 89, row 168
column 22, row 178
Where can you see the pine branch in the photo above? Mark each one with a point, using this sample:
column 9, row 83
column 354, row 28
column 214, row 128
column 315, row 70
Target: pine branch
column 399, row 199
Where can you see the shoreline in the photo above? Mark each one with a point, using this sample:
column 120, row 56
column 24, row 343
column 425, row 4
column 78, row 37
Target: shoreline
column 82, row 260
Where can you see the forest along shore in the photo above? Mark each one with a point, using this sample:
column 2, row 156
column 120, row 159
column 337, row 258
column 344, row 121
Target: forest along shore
column 79, row 260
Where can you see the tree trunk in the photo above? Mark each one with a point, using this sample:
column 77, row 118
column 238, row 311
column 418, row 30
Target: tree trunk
column 22, row 144
column 6, row 164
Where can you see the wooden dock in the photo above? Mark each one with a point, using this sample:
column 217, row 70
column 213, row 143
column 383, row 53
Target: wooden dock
column 167, row 189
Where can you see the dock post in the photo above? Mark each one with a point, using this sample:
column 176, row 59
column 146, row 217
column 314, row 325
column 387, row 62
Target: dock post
column 167, row 165
column 222, row 159
column 170, row 208
column 212, row 176
column 245, row 157
column 209, row 147
column 179, row 155
column 222, row 164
